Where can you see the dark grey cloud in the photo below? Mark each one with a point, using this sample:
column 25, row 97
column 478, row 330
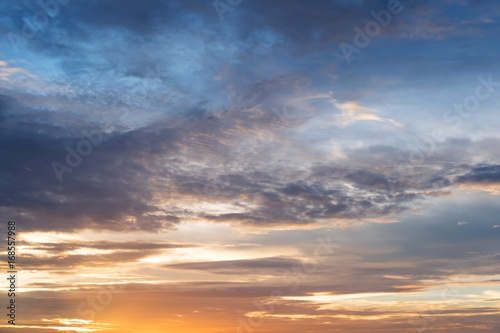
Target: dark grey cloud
column 314, row 22
column 483, row 174
column 103, row 245
column 275, row 265
column 239, row 152
column 70, row 262
column 305, row 27
column 118, row 179
column 60, row 259
column 84, row 198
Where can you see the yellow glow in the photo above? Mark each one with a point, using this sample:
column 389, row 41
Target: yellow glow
column 51, row 237
column 70, row 325
column 201, row 254
column 493, row 189
column 352, row 111
column 56, row 328
column 89, row 251
column 326, row 298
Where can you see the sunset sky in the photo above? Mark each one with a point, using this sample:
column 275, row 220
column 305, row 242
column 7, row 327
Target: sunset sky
column 227, row 166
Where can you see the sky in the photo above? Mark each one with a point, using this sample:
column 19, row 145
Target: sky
column 200, row 166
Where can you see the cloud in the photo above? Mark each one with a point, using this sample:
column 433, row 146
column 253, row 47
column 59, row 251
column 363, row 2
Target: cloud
column 273, row 266
column 147, row 178
column 102, row 245
column 482, row 178
column 351, row 112
column 252, row 131
column 481, row 174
